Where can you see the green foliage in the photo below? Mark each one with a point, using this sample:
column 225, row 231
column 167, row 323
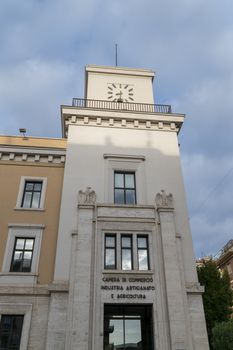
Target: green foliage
column 223, row 336
column 217, row 298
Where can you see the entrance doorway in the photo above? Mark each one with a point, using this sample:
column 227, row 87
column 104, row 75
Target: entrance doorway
column 128, row 327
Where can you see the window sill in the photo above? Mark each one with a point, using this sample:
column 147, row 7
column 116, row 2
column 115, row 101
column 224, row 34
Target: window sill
column 29, row 209
column 129, row 272
column 115, row 205
column 18, row 278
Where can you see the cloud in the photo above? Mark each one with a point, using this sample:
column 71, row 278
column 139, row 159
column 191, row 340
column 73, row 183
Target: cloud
column 209, row 115
column 31, row 93
column 209, row 186
column 45, row 45
column 210, row 237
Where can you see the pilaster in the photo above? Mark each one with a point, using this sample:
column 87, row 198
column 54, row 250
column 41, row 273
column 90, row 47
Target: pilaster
column 57, row 316
column 173, row 281
column 80, row 298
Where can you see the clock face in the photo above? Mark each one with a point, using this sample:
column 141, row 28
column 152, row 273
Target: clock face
column 120, row 92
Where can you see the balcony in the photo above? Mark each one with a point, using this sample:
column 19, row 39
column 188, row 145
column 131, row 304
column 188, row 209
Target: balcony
column 121, row 106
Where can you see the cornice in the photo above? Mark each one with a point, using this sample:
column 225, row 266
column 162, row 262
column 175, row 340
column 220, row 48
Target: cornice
column 225, row 258
column 119, row 70
column 36, row 155
column 120, row 119
column 194, row 288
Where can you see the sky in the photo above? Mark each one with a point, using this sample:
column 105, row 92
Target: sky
column 45, row 44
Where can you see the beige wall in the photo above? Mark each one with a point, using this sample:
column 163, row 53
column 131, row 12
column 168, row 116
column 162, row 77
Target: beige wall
column 32, row 142
column 10, row 174
column 99, row 78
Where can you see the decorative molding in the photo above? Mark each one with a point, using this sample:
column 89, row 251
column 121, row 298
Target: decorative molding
column 129, row 272
column 32, row 155
column 123, row 156
column 26, row 225
column 58, row 287
column 117, row 122
column 74, row 233
column 87, row 197
column 173, row 126
column 164, row 200
column 194, row 287
column 73, row 119
column 160, row 125
column 178, row 235
column 24, row 289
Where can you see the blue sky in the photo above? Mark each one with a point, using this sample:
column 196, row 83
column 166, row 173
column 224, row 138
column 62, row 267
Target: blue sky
column 45, row 45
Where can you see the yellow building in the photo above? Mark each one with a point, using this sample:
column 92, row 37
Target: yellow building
column 225, row 259
column 31, row 176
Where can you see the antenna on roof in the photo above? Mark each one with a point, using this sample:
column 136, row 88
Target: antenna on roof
column 116, row 53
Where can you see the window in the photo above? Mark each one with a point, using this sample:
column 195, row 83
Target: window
column 126, row 252
column 128, row 327
column 110, row 252
column 10, row 331
column 15, row 321
column 143, row 257
column 129, row 164
column 21, row 258
column 22, row 255
column 124, row 188
column 32, row 194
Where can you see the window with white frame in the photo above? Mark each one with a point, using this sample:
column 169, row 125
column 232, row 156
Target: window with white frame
column 126, row 252
column 110, row 252
column 125, row 179
column 22, row 251
column 15, row 320
column 31, row 193
column 142, row 252
column 22, row 254
column 10, row 331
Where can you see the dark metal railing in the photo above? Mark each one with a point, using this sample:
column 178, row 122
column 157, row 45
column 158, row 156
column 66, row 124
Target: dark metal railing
column 121, row 106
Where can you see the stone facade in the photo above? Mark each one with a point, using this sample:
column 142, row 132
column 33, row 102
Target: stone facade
column 124, row 271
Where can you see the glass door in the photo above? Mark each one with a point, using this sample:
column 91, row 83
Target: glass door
column 128, row 327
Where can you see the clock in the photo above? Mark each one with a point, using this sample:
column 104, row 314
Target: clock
column 120, row 92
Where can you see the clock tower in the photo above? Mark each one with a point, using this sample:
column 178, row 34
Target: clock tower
column 119, row 84
column 124, row 245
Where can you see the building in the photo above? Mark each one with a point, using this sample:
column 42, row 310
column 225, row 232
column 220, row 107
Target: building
column 225, row 259
column 31, row 172
column 119, row 272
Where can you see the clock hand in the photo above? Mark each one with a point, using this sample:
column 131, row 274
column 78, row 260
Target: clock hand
column 120, row 99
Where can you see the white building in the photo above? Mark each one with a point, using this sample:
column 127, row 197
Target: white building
column 124, row 244
column 113, row 267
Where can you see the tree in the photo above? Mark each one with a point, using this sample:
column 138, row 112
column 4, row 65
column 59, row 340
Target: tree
column 217, row 298
column 223, row 336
